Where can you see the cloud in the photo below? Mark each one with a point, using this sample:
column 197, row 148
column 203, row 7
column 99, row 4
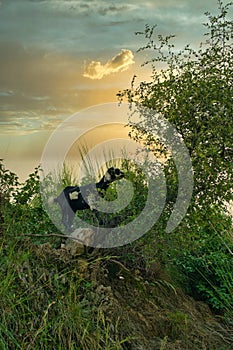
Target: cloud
column 119, row 63
column 23, row 122
column 6, row 93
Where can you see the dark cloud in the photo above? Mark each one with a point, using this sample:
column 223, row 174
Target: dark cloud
column 89, row 26
column 38, row 1
column 106, row 10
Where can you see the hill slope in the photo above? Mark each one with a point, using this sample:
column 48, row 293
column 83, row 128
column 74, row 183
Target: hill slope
column 51, row 299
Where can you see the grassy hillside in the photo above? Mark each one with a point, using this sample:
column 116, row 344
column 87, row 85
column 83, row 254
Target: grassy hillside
column 163, row 291
column 51, row 300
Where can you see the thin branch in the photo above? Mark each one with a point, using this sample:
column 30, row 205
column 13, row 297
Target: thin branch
column 51, row 235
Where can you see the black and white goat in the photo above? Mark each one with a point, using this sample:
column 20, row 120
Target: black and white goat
column 72, row 198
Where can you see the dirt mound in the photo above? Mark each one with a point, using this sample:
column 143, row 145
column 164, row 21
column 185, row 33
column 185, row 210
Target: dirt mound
column 143, row 311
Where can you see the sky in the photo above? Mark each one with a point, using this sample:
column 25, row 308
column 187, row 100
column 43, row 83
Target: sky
column 58, row 57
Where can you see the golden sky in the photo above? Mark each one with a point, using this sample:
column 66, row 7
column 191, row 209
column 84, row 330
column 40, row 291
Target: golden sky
column 61, row 56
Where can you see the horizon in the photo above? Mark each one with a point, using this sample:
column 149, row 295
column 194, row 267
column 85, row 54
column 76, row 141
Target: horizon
column 61, row 57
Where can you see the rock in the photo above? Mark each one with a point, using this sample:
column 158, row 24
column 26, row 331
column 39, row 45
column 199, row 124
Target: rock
column 78, row 239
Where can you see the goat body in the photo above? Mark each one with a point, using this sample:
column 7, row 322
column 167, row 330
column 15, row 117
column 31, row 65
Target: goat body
column 72, row 198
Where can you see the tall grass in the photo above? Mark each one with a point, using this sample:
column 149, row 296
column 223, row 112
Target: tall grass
column 48, row 301
column 43, row 304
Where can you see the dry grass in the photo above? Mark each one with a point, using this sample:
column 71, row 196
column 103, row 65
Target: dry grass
column 51, row 300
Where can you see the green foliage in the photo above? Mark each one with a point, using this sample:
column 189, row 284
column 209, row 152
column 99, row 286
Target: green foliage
column 50, row 292
column 207, row 264
column 21, row 206
column 47, row 304
column 9, row 182
column 47, row 301
column 194, row 92
column 29, row 191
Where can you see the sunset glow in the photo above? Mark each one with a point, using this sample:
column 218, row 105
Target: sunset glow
column 59, row 57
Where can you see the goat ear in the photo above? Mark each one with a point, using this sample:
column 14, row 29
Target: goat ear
column 111, row 170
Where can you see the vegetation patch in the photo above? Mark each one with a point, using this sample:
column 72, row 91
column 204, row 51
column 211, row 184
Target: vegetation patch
column 165, row 290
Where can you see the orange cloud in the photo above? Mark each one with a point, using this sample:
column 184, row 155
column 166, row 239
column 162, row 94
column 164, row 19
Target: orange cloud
column 119, row 63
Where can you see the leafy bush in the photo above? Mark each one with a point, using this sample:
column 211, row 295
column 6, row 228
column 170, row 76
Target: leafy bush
column 193, row 92
column 21, row 206
column 207, row 264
